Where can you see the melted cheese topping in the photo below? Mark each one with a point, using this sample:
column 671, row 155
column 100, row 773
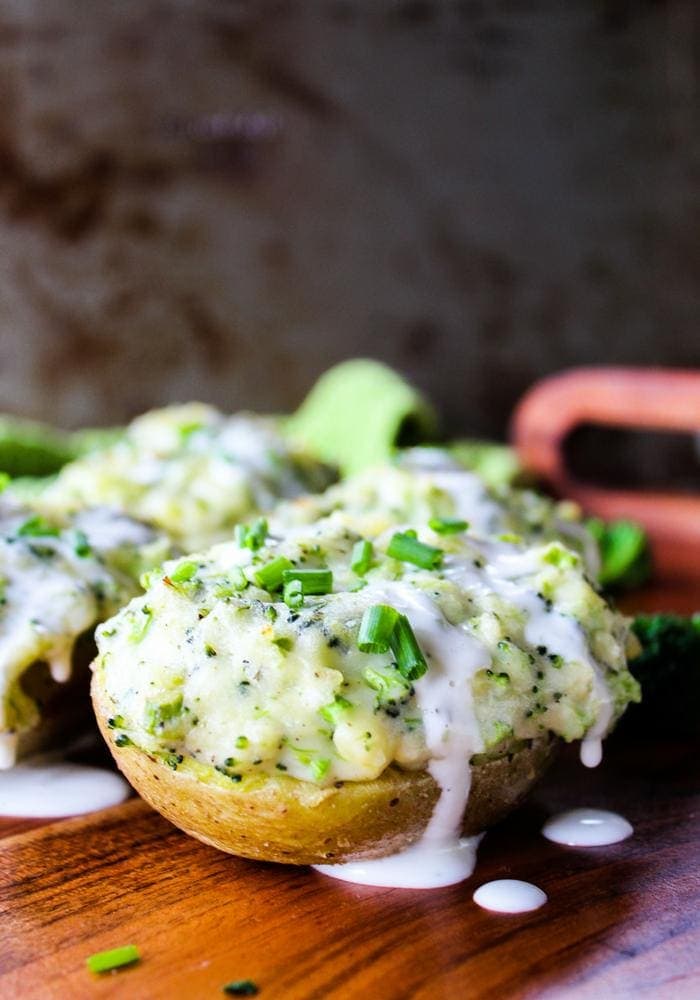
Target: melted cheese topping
column 191, row 471
column 57, row 580
column 210, row 665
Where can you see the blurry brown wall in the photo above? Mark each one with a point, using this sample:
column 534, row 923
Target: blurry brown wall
column 219, row 199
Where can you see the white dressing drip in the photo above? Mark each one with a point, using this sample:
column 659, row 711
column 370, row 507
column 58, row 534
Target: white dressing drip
column 587, row 828
column 559, row 633
column 441, row 857
column 44, row 787
column 509, row 895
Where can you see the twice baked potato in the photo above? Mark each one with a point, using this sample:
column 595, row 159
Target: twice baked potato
column 323, row 692
column 59, row 577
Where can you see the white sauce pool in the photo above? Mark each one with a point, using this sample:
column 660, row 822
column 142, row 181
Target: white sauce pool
column 421, row 866
column 587, row 828
column 441, row 857
column 42, row 787
column 509, row 895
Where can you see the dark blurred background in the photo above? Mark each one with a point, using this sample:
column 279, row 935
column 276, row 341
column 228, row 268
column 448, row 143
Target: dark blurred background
column 218, row 200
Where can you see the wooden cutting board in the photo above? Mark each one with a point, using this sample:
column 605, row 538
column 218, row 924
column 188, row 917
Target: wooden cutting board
column 621, row 921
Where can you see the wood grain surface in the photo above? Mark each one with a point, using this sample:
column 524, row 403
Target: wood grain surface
column 621, row 921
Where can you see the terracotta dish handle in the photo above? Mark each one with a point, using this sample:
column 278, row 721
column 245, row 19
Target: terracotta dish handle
column 643, row 398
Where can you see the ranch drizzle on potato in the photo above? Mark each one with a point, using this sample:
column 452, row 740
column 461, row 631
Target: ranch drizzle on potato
column 213, row 664
column 59, row 578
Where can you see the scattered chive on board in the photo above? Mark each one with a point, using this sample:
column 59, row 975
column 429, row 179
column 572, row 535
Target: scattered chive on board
column 115, row 958
column 241, row 988
column 405, row 547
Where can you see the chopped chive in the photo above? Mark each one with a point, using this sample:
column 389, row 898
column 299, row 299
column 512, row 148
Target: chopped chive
column 448, row 525
column 313, row 581
column 236, row 581
column 334, row 711
column 82, row 546
column 37, row 527
column 252, row 536
column 410, row 661
column 283, row 643
column 293, row 594
column 123, row 741
column 406, row 547
column 269, row 576
column 241, row 988
column 209, row 649
column 141, row 626
column 362, row 553
column 376, row 628
column 115, row 958
column 116, row 722
column 319, row 768
column 241, row 742
column 184, row 572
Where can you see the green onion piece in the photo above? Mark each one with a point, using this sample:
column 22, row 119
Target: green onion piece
column 241, row 988
column 376, row 628
column 82, row 546
column 407, row 548
column 293, row 595
column 448, row 525
column 335, row 710
column 241, row 742
column 252, row 536
column 184, row 572
column 115, row 958
column 270, row 576
column 313, row 581
column 362, row 553
column 141, row 625
column 319, row 768
column 410, row 661
column 236, row 581
column 37, row 527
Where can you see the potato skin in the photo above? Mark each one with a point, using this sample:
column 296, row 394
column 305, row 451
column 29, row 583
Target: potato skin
column 278, row 818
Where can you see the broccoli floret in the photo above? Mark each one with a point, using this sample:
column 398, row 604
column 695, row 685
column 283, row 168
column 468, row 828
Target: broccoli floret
column 625, row 555
column 668, row 668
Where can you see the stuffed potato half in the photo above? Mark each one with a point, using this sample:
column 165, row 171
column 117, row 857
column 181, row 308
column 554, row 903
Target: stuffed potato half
column 245, row 698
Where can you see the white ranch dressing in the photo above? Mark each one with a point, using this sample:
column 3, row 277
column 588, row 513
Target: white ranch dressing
column 444, row 695
column 587, row 828
column 509, row 895
column 471, row 499
column 47, row 787
column 560, row 633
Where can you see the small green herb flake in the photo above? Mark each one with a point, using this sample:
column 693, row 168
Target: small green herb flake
column 252, row 536
column 448, row 525
column 37, row 527
column 241, row 742
column 241, row 988
column 362, row 554
column 82, row 547
column 376, row 628
column 407, row 548
column 334, row 712
column 141, row 624
column 313, row 581
column 184, row 572
column 235, row 582
column 283, row 643
column 269, row 576
column 319, row 768
column 115, row 958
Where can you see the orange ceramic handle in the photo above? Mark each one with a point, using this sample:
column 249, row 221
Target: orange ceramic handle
column 645, row 398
